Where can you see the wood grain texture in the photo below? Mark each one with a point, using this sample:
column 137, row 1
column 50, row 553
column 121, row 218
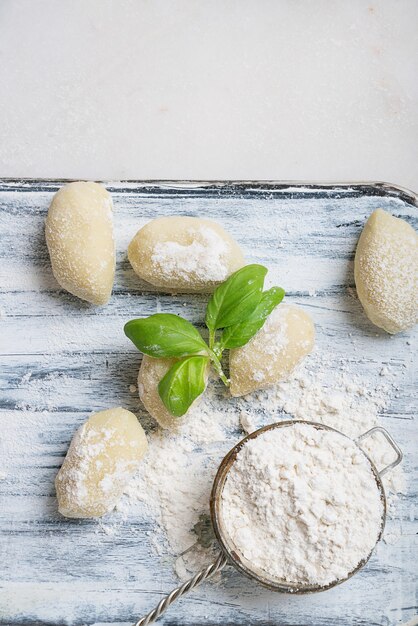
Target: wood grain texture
column 62, row 358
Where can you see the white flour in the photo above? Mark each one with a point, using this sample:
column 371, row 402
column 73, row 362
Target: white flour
column 40, row 393
column 337, row 398
column 272, row 339
column 175, row 477
column 177, row 472
column 204, row 257
column 302, row 505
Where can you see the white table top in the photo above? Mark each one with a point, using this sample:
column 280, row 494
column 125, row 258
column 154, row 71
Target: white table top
column 218, row 90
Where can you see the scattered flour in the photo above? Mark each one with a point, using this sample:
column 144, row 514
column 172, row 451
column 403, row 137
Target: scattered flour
column 272, row 339
column 302, row 504
column 411, row 622
column 203, row 259
column 176, row 476
column 40, row 393
column 340, row 400
column 107, row 529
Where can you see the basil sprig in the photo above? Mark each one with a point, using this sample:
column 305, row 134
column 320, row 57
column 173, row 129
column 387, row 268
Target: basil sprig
column 238, row 308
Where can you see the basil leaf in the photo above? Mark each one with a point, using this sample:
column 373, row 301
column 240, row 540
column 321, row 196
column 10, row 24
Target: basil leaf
column 239, row 334
column 183, row 383
column 235, row 299
column 165, row 334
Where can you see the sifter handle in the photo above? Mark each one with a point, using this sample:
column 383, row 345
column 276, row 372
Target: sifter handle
column 390, row 440
column 190, row 584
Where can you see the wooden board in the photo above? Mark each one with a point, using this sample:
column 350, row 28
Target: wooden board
column 61, row 359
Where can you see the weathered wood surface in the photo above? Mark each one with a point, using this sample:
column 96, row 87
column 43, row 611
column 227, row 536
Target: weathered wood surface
column 60, row 571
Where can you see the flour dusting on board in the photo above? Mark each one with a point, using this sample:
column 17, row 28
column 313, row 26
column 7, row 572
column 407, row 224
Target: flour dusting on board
column 40, row 392
column 176, row 476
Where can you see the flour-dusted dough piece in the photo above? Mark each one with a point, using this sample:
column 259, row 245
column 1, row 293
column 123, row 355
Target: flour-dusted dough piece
column 184, row 253
column 150, row 373
column 287, row 336
column 103, row 455
column 79, row 235
column 386, row 272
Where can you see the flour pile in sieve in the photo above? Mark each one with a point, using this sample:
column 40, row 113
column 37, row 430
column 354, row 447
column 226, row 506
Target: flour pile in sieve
column 302, row 505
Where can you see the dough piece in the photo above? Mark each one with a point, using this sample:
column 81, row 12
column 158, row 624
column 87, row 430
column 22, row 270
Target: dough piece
column 386, row 272
column 184, row 254
column 150, row 373
column 103, row 455
column 79, row 235
column 272, row 354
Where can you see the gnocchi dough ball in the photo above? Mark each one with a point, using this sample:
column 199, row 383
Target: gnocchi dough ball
column 273, row 353
column 386, row 272
column 103, row 456
column 152, row 370
column 184, row 254
column 79, row 236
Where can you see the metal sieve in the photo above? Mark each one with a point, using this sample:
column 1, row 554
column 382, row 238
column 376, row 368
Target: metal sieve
column 228, row 554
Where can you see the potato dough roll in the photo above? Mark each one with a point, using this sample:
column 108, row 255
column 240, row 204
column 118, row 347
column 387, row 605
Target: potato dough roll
column 287, row 336
column 184, row 253
column 103, row 455
column 79, row 235
column 386, row 272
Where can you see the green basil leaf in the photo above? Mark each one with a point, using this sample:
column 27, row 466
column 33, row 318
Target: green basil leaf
column 239, row 334
column 235, row 299
column 183, row 383
column 164, row 335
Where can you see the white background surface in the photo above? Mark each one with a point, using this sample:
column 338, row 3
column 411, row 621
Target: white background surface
column 257, row 89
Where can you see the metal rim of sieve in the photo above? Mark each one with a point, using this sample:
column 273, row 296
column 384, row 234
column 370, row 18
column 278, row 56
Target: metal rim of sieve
column 243, row 564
